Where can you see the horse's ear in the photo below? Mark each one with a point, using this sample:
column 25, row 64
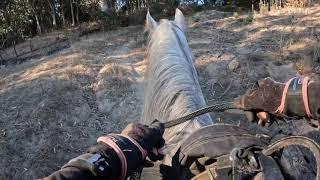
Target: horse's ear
column 179, row 19
column 151, row 24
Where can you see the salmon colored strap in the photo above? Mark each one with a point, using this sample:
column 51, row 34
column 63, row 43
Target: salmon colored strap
column 143, row 151
column 305, row 96
column 284, row 95
column 107, row 140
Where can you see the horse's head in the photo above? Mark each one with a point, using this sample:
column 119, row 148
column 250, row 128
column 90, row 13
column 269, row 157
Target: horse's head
column 167, row 38
column 152, row 25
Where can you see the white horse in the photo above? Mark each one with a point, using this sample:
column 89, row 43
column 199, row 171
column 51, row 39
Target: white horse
column 172, row 88
column 172, row 91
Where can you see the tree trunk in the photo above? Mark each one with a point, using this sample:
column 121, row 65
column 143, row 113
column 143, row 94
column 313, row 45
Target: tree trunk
column 72, row 13
column 38, row 23
column 62, row 12
column 53, row 12
column 63, row 16
column 2, row 61
column 77, row 13
column 281, row 3
column 39, row 29
column 104, row 6
column 30, row 45
column 14, row 48
column 54, row 21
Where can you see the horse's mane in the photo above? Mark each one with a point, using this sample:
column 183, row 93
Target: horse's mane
column 172, row 88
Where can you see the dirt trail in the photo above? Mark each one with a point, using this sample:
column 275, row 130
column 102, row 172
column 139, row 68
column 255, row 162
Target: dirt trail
column 54, row 107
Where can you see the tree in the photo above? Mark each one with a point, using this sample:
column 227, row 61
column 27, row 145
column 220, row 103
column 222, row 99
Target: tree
column 35, row 9
column 52, row 5
column 63, row 14
column 104, row 5
column 25, row 18
column 72, row 13
column 77, row 12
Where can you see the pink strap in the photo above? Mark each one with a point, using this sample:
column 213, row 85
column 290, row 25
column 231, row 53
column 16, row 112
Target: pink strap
column 305, row 96
column 143, row 151
column 284, row 95
column 107, row 140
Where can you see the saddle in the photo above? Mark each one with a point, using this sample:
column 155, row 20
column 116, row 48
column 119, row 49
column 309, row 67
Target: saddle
column 229, row 152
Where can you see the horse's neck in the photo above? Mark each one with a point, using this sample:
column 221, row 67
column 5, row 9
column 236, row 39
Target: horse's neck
column 172, row 83
column 169, row 41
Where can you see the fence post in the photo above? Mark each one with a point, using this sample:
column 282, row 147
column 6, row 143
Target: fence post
column 14, row 48
column 30, row 45
column 1, row 59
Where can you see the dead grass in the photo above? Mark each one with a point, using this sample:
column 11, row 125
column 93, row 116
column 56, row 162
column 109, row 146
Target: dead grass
column 316, row 52
column 57, row 105
column 299, row 3
column 114, row 81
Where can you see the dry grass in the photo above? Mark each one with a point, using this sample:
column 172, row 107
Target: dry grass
column 316, row 52
column 299, row 3
column 58, row 105
column 115, row 81
column 61, row 103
